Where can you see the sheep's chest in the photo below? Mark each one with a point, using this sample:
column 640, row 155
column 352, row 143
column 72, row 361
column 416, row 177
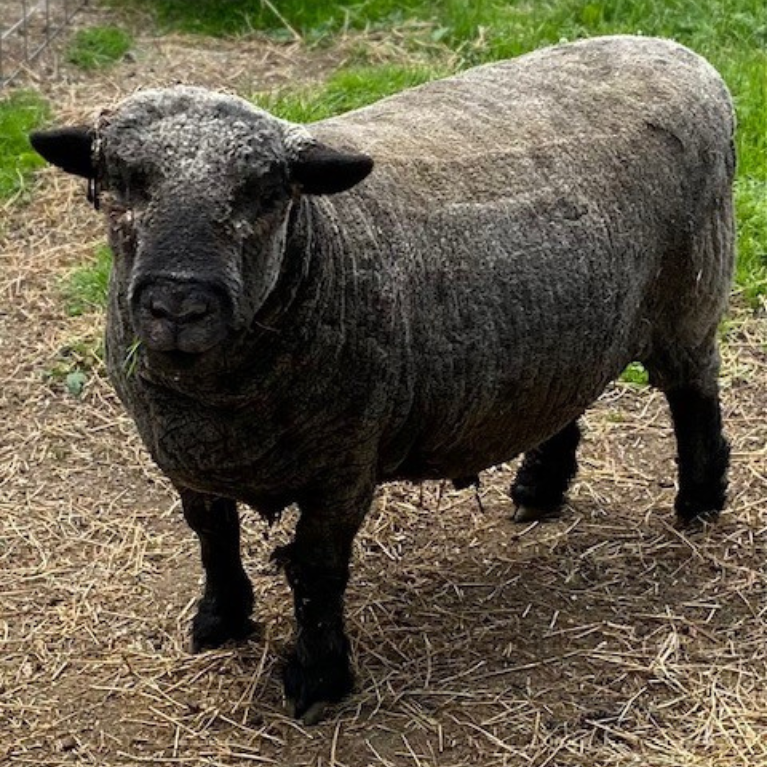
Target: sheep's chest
column 231, row 452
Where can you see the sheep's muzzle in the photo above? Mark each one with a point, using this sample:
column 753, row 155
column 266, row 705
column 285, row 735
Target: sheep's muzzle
column 172, row 315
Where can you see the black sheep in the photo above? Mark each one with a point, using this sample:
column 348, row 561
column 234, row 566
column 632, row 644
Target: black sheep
column 531, row 227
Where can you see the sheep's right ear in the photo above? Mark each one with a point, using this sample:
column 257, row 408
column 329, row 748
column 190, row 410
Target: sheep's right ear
column 70, row 149
column 322, row 170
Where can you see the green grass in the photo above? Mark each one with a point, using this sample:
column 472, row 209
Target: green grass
column 85, row 289
column 20, row 112
column 346, row 89
column 97, row 47
column 746, row 73
column 277, row 17
column 751, row 210
column 509, row 27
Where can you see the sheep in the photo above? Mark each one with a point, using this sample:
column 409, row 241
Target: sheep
column 308, row 329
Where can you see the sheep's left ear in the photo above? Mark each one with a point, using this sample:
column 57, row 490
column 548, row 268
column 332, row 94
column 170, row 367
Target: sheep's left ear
column 319, row 169
column 71, row 149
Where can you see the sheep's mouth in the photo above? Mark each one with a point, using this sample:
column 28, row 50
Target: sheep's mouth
column 185, row 356
column 174, row 364
column 176, row 358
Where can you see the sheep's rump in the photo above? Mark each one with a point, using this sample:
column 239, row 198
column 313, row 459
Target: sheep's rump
column 537, row 224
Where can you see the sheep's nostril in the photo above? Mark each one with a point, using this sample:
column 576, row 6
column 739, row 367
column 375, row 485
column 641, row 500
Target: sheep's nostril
column 193, row 309
column 159, row 309
column 188, row 309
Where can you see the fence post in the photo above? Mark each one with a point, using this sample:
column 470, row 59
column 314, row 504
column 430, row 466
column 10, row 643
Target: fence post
column 26, row 32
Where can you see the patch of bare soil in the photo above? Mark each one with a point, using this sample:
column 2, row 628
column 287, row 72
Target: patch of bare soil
column 607, row 637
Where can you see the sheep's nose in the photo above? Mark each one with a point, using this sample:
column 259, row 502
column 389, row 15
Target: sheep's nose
column 171, row 315
column 179, row 308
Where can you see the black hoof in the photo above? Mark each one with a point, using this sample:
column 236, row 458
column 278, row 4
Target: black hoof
column 545, row 500
column 524, row 513
column 309, row 689
column 536, row 495
column 215, row 624
column 210, row 633
column 545, row 474
column 694, row 515
column 702, row 506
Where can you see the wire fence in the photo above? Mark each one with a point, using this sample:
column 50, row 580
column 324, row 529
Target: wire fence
column 27, row 28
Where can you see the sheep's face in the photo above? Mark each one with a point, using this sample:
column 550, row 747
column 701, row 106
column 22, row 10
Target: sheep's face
column 198, row 189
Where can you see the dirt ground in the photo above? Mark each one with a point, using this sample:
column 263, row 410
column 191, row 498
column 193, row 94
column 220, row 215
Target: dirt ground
column 607, row 637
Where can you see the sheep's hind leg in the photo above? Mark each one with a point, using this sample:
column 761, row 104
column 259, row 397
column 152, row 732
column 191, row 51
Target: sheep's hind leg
column 223, row 612
column 316, row 563
column 703, row 453
column 545, row 475
column 688, row 378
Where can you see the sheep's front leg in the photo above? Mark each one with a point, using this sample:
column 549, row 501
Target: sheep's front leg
column 316, row 563
column 224, row 611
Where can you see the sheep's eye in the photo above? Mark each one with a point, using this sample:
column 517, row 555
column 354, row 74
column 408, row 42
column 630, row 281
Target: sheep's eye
column 131, row 184
column 260, row 196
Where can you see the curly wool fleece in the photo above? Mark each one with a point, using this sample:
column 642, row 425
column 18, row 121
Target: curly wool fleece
column 530, row 228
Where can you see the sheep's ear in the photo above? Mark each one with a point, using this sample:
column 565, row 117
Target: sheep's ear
column 70, row 149
column 320, row 169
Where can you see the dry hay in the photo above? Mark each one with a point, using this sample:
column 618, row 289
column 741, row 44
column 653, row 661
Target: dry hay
column 606, row 637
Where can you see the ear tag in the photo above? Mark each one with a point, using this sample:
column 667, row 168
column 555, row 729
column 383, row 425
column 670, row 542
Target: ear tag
column 93, row 194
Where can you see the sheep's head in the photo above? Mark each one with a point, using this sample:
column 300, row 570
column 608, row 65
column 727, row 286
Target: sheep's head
column 198, row 189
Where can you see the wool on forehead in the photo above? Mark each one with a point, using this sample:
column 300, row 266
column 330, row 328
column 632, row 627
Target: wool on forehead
column 186, row 129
